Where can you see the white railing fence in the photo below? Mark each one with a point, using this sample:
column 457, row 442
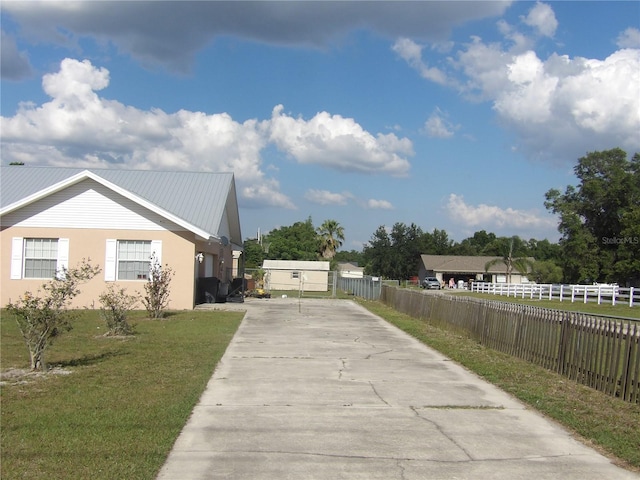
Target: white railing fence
column 602, row 293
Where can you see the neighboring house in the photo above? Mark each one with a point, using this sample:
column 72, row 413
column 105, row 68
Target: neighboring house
column 466, row 268
column 54, row 217
column 308, row 276
column 350, row 270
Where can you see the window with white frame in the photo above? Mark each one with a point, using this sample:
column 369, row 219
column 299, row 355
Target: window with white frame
column 38, row 257
column 134, row 259
column 130, row 259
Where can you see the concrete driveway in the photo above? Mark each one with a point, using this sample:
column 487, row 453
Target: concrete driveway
column 323, row 389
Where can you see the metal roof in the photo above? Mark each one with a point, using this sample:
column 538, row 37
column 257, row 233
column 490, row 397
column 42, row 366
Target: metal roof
column 199, row 199
column 463, row 264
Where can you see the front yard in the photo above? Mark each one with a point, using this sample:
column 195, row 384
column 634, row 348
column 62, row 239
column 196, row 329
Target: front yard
column 110, row 407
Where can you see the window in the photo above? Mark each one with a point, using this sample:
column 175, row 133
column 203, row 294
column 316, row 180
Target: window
column 295, row 274
column 38, row 257
column 134, row 259
column 130, row 259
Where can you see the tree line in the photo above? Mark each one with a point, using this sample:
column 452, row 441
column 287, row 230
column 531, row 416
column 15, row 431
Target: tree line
column 599, row 226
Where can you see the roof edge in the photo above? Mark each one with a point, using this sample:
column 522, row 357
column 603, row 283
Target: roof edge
column 88, row 174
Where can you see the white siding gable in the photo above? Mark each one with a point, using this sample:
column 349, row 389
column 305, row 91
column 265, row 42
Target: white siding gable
column 88, row 204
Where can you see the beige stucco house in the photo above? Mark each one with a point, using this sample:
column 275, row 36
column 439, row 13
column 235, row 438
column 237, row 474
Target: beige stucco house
column 308, row 276
column 54, row 217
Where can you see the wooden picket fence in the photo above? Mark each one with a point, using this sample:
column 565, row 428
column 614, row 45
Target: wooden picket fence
column 598, row 351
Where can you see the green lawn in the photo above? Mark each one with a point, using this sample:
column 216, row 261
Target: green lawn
column 117, row 405
column 607, row 423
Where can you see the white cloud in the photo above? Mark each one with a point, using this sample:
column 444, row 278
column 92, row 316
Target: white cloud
column 411, row 52
column 529, row 97
column 379, row 204
column 630, row 38
column 325, row 197
column 520, row 42
column 339, row 143
column 543, row 19
column 266, row 193
column 492, row 216
column 558, row 107
column 561, row 108
column 78, row 127
column 438, row 126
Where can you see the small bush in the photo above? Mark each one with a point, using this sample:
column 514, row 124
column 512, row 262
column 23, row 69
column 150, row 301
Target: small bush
column 156, row 298
column 44, row 315
column 116, row 305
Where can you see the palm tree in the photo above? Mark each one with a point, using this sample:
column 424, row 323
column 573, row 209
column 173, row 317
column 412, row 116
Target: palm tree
column 522, row 264
column 331, row 237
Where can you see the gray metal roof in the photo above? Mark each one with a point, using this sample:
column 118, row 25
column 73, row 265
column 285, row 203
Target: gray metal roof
column 462, row 264
column 198, row 198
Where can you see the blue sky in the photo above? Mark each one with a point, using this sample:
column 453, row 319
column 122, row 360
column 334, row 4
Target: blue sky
column 450, row 115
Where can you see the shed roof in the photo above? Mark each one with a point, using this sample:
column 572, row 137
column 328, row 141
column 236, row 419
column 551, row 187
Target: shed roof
column 295, row 265
column 463, row 264
column 348, row 266
column 196, row 200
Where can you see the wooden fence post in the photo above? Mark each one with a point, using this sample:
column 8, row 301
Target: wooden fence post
column 564, row 342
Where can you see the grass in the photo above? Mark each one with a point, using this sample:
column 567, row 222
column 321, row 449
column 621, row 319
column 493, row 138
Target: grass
column 618, row 310
column 121, row 403
column 606, row 423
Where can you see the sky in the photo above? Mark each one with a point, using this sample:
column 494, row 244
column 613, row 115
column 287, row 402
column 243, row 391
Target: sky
column 452, row 115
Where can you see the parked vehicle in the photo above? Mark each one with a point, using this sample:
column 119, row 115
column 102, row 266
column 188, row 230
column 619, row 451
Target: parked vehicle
column 431, row 283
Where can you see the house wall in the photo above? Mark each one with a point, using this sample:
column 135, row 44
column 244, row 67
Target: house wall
column 351, row 273
column 88, row 213
column 178, row 251
column 515, row 278
column 314, row 281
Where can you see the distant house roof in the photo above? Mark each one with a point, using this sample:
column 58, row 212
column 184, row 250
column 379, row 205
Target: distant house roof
column 351, row 267
column 463, row 264
column 294, row 265
column 198, row 201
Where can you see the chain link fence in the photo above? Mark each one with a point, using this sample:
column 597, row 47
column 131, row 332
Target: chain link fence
column 367, row 287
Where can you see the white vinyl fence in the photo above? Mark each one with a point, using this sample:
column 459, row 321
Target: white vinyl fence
column 601, row 293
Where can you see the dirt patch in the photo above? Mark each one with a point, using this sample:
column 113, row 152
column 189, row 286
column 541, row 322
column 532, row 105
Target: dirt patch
column 21, row 376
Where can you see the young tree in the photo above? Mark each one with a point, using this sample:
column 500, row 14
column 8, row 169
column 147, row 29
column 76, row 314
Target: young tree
column 156, row 298
column 45, row 315
column 331, row 238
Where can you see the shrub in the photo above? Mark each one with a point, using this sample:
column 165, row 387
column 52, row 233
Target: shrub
column 44, row 315
column 156, row 298
column 115, row 309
